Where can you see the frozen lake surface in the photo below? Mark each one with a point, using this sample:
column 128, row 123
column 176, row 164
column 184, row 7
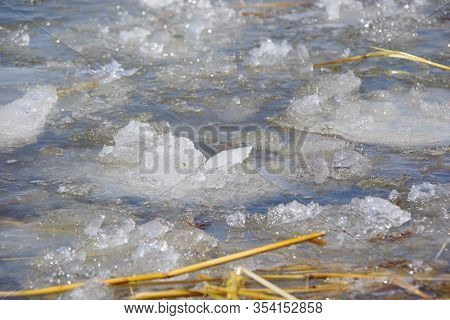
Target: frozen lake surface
column 144, row 135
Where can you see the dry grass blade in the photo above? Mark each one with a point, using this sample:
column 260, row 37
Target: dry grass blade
column 163, row 283
column 234, row 283
column 242, row 292
column 317, row 288
column 268, row 284
column 324, row 275
column 384, row 53
column 298, row 267
column 43, row 291
column 399, row 282
column 81, row 87
column 170, row 274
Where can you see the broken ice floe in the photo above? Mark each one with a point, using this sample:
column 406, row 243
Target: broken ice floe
column 379, row 21
column 110, row 72
column 109, row 243
column 367, row 217
column 428, row 191
column 271, row 53
column 151, row 158
column 22, row 120
column 396, row 118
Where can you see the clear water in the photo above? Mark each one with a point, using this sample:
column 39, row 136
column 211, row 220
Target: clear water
column 345, row 137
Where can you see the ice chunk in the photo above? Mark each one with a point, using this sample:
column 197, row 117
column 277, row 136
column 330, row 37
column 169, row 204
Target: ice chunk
column 319, row 168
column 165, row 159
column 425, row 191
column 349, row 163
column 163, row 256
column 110, row 236
column 192, row 240
column 152, row 229
column 343, row 85
column 228, row 158
column 269, row 53
column 135, row 36
column 305, row 106
column 376, row 215
column 236, row 219
column 367, row 217
column 65, row 263
column 110, row 72
column 335, row 8
column 160, row 3
column 22, row 120
column 395, row 118
column 170, row 160
column 126, row 149
column 93, row 227
column 292, row 212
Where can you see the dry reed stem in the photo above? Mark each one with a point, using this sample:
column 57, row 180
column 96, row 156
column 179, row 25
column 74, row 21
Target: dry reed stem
column 268, row 284
column 399, row 282
column 317, row 288
column 217, row 261
column 81, row 87
column 384, row 53
column 171, row 283
column 297, row 267
column 234, row 283
column 170, row 274
column 255, row 14
column 324, row 276
column 242, row 292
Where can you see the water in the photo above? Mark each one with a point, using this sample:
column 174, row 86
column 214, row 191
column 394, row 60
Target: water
column 111, row 176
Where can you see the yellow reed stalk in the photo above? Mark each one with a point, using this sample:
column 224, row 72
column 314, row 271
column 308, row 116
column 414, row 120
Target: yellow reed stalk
column 81, row 87
column 171, row 283
column 318, row 288
column 43, row 291
column 242, row 292
column 268, row 284
column 399, row 282
column 324, row 276
column 234, row 283
column 217, row 261
column 319, row 242
column 384, row 53
column 170, row 274
column 297, row 267
column 167, row 294
column 214, row 295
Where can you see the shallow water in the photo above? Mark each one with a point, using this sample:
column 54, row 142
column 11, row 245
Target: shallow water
column 361, row 148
